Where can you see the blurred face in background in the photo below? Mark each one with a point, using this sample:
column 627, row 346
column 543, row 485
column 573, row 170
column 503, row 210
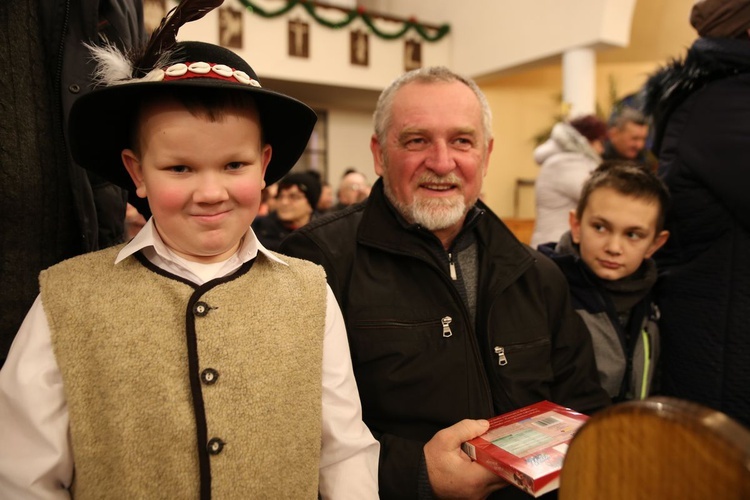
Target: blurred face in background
column 292, row 207
column 353, row 189
column 271, row 191
column 629, row 140
column 326, row 198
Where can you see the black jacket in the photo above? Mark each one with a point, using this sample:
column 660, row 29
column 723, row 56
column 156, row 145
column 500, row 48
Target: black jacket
column 701, row 107
column 65, row 26
column 53, row 209
column 270, row 231
column 420, row 364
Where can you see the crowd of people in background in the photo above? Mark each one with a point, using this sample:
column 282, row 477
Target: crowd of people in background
column 295, row 204
column 400, row 314
column 301, row 197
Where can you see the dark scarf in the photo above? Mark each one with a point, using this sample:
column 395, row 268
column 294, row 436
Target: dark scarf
column 625, row 292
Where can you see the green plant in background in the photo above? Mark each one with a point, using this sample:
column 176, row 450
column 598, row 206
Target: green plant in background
column 561, row 115
column 615, row 104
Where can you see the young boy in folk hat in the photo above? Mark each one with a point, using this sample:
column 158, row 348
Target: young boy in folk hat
column 606, row 256
column 171, row 367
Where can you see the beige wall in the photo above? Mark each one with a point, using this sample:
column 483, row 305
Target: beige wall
column 350, row 130
column 265, row 47
column 525, row 102
column 493, row 35
column 522, row 105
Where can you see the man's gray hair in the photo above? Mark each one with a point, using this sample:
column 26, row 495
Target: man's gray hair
column 431, row 74
column 627, row 115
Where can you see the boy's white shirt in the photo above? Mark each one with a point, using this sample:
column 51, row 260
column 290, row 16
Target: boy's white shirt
column 36, row 459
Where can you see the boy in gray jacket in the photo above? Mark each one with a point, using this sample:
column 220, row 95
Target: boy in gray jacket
column 606, row 257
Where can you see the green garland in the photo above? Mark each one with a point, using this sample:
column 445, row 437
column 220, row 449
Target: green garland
column 350, row 16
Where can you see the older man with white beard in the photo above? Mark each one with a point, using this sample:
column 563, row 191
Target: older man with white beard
column 450, row 319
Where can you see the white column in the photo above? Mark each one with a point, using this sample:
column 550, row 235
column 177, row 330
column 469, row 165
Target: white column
column 579, row 81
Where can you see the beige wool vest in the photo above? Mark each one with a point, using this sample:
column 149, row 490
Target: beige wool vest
column 180, row 391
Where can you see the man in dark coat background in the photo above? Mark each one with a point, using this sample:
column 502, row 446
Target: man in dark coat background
column 52, row 209
column 701, row 110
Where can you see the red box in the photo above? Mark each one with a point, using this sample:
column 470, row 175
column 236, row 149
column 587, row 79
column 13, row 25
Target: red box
column 527, row 446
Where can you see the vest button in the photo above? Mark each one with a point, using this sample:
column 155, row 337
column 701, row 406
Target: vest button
column 200, row 309
column 215, row 445
column 209, row 376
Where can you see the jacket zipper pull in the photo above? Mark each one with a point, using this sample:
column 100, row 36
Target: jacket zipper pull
column 501, row 359
column 452, row 266
column 446, row 326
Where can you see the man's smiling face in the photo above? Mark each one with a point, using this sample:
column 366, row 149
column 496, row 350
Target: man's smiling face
column 436, row 154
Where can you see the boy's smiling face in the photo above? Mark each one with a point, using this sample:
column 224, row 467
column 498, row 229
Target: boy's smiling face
column 616, row 232
column 202, row 178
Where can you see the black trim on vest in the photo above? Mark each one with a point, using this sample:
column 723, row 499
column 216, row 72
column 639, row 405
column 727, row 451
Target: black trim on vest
column 201, row 425
column 153, row 267
column 191, row 339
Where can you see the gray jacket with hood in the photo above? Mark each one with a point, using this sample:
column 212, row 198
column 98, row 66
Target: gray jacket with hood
column 621, row 318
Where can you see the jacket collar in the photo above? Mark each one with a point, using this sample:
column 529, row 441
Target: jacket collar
column 384, row 228
column 566, row 255
column 382, row 225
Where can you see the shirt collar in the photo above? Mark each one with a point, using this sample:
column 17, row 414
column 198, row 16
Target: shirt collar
column 155, row 250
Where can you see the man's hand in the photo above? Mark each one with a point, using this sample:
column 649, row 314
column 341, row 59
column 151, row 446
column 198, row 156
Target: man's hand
column 452, row 473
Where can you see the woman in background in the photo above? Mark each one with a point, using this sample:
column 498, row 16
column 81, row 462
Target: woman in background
column 567, row 158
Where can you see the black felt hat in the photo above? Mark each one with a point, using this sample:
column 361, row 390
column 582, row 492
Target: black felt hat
column 101, row 121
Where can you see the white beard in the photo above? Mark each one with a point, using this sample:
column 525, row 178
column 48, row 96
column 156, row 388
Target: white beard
column 433, row 214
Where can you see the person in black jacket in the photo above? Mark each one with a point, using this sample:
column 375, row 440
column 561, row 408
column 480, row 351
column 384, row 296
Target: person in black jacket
column 450, row 319
column 701, row 110
column 296, row 198
column 53, row 208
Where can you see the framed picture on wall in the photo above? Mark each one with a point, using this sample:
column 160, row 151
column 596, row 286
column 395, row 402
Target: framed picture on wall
column 230, row 27
column 299, row 39
column 359, row 48
column 412, row 55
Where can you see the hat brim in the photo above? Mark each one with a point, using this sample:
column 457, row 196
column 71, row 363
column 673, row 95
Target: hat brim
column 101, row 123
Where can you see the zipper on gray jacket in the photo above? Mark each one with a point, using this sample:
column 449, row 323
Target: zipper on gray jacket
column 446, row 321
column 646, row 364
column 501, row 359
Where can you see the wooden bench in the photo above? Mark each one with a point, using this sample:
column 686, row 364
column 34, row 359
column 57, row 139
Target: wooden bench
column 658, row 448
